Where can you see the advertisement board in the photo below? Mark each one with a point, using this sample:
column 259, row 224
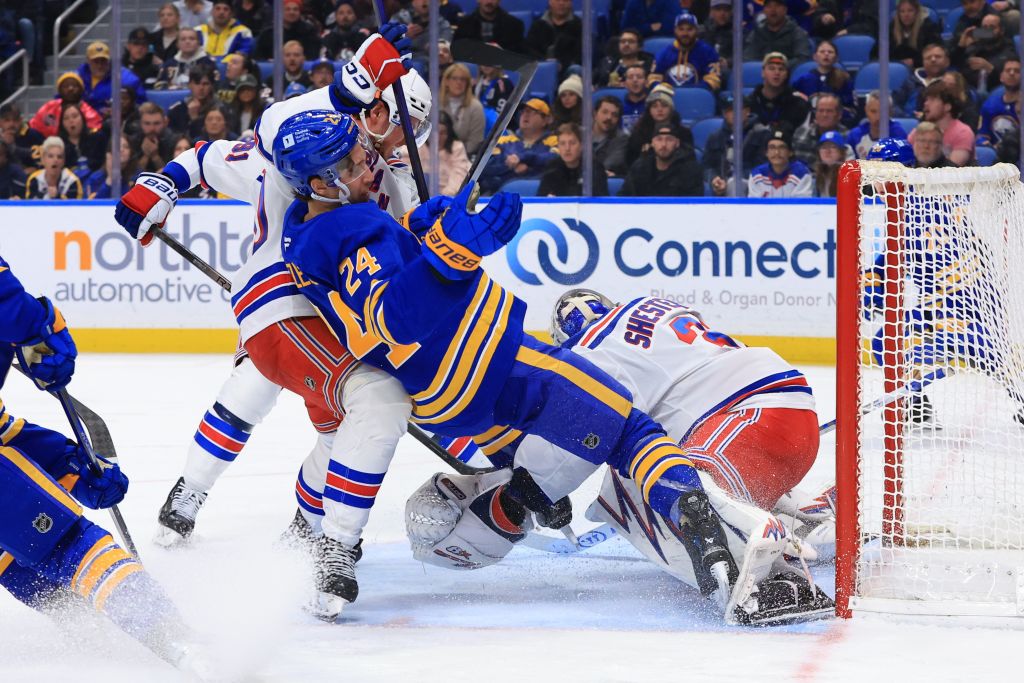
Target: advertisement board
column 763, row 271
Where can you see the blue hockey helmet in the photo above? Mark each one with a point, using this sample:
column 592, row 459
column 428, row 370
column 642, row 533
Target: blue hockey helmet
column 315, row 143
column 575, row 311
column 892, row 149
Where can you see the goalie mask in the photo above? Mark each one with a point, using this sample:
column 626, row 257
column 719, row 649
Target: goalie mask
column 577, row 310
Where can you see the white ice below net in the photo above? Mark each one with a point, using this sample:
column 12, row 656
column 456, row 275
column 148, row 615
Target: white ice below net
column 962, row 485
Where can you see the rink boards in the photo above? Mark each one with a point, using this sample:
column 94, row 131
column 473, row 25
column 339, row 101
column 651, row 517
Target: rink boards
column 762, row 270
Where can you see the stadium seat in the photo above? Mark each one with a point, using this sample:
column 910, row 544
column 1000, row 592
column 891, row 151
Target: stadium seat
column 615, row 186
column 545, row 82
column 702, row 130
column 908, row 124
column 934, row 16
column 950, row 20
column 656, row 45
column 986, row 155
column 524, row 187
column 751, row 75
column 854, row 50
column 867, row 77
column 474, row 71
column 525, row 16
column 166, row 98
column 266, row 70
column 614, row 92
column 694, row 104
column 524, row 5
column 600, row 6
column 801, row 69
column 1016, row 43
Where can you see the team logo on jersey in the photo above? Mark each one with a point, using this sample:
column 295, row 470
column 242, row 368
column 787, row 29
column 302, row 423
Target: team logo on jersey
column 42, row 523
column 591, row 441
column 555, row 273
column 310, row 384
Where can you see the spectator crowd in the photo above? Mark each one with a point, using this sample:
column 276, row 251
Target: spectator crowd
column 663, row 110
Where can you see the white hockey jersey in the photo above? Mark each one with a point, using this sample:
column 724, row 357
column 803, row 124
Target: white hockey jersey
column 262, row 290
column 680, row 372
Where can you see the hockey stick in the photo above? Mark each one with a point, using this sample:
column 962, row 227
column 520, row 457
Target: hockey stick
column 911, row 388
column 83, row 440
column 478, row 53
column 406, row 121
column 190, row 256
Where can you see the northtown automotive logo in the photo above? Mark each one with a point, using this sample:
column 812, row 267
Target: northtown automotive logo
column 555, row 273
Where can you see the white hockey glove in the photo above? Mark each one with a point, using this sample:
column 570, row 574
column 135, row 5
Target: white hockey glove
column 464, row 522
column 146, row 205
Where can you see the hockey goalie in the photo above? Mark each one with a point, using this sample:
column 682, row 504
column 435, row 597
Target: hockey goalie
column 742, row 415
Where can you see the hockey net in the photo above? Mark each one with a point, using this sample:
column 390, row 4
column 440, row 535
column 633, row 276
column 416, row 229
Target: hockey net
column 930, row 400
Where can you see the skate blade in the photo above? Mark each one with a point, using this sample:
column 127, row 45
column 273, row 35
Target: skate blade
column 168, row 538
column 741, row 618
column 326, row 607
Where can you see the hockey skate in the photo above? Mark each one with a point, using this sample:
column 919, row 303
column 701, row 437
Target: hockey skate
column 178, row 515
column 336, row 584
column 302, row 538
column 921, row 413
column 713, row 563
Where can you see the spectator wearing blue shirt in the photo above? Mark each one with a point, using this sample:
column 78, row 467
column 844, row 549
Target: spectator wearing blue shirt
column 999, row 114
column 826, row 77
column 650, row 17
column 523, row 154
column 635, row 102
column 95, row 75
column 863, row 137
column 688, row 62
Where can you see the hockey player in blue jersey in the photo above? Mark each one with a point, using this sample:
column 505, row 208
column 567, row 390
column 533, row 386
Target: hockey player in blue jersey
column 412, row 300
column 949, row 319
column 48, row 550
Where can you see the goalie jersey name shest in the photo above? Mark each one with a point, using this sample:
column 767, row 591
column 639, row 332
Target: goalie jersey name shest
column 639, row 343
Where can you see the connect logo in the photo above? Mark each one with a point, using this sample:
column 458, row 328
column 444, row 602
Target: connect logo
column 552, row 271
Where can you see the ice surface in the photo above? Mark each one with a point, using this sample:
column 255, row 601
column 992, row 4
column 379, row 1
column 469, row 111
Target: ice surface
column 604, row 615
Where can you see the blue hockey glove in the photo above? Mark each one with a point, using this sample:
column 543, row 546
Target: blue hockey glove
column 49, row 358
column 95, row 491
column 457, row 241
column 419, row 220
column 381, row 60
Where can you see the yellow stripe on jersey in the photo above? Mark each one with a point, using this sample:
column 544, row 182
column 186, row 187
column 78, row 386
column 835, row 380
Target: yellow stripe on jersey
column 113, row 581
column 496, row 332
column 461, row 382
column 97, row 547
column 373, row 313
column 10, row 426
column 493, row 444
column 41, row 479
column 606, row 395
column 440, row 379
column 5, row 561
column 653, row 461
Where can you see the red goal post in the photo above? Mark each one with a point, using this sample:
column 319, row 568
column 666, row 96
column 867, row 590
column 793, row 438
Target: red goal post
column 930, row 290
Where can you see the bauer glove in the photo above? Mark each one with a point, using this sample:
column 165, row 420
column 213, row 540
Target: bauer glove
column 146, row 205
column 381, row 60
column 456, row 242
column 95, row 490
column 49, row 358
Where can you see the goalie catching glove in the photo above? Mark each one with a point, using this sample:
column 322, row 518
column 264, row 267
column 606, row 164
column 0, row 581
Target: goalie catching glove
column 464, row 522
column 457, row 240
column 146, row 205
column 49, row 358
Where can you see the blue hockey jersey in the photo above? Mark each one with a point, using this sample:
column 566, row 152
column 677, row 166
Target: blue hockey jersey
column 695, row 67
column 450, row 344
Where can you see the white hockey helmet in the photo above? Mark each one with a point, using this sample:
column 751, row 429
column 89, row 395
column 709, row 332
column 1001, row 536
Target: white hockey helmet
column 418, row 100
column 577, row 310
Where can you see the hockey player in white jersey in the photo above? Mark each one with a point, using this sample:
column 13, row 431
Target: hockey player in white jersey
column 742, row 415
column 285, row 340
column 247, row 397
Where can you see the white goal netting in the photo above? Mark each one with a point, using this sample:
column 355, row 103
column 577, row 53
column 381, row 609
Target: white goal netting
column 940, row 470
